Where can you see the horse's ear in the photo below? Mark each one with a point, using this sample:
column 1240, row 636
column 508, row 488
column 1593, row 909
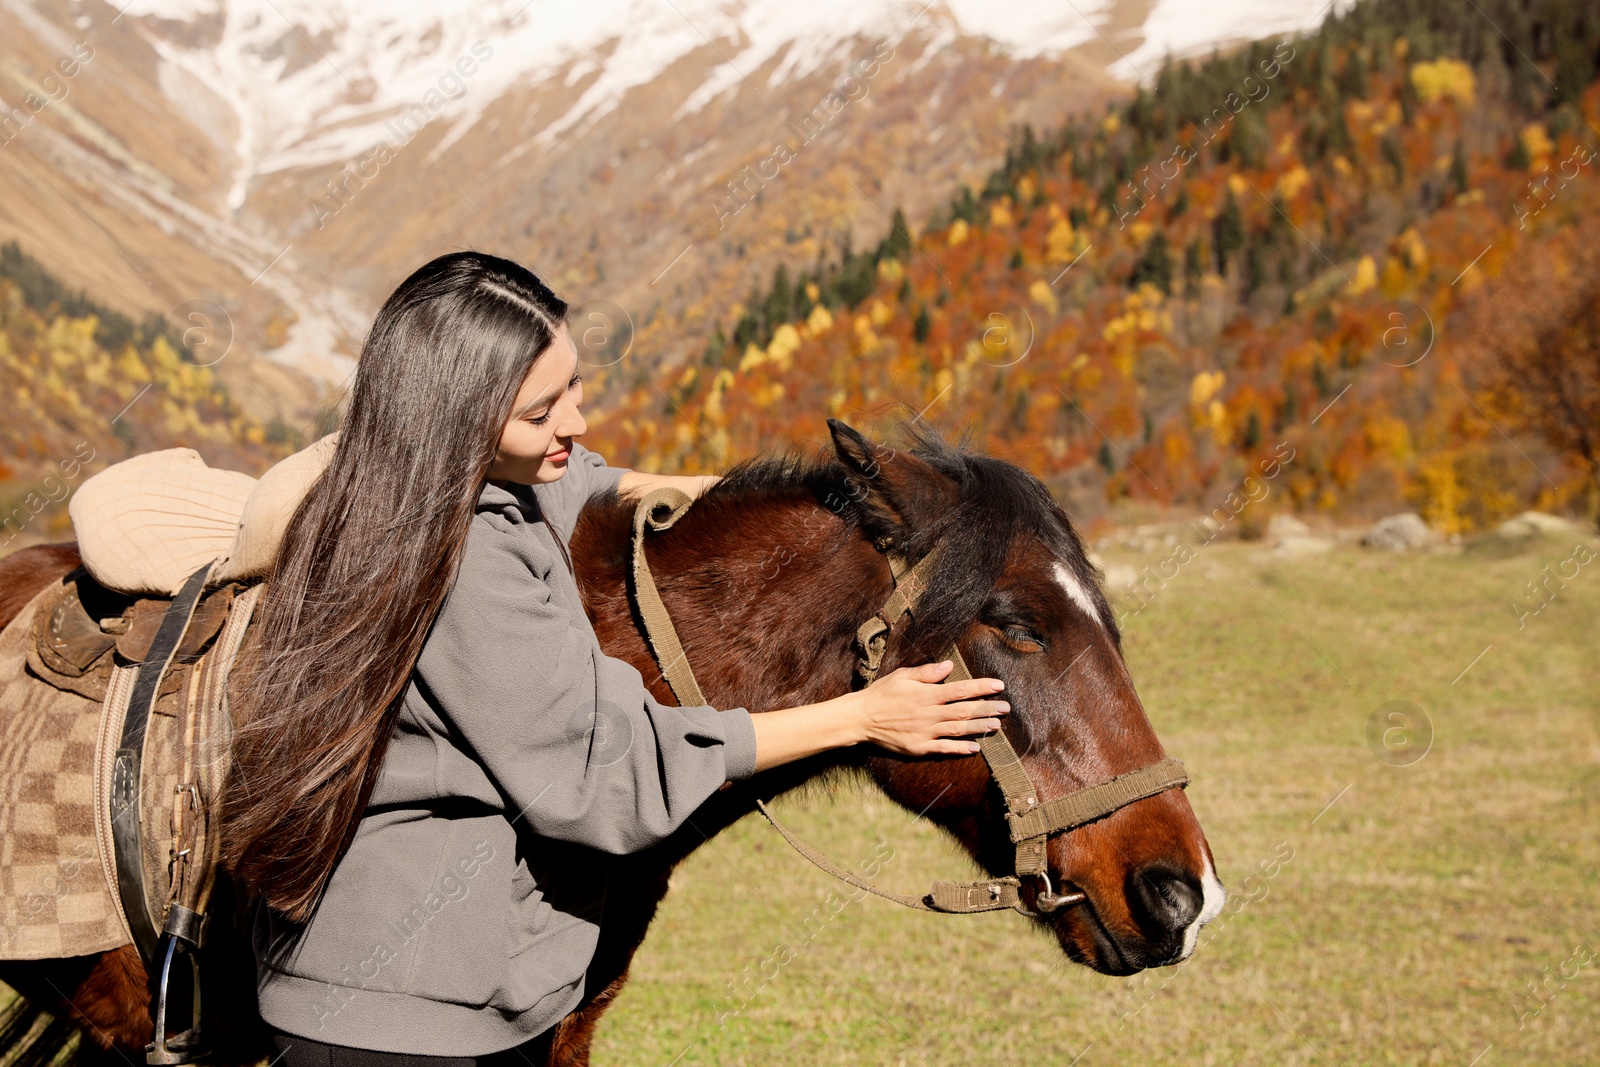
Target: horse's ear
column 893, row 493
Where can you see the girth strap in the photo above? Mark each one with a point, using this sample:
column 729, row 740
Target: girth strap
column 127, row 837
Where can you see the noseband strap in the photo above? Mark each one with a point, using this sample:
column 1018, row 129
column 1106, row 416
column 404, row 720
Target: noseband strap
column 1031, row 821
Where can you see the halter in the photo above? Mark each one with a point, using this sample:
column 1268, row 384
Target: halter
column 1031, row 821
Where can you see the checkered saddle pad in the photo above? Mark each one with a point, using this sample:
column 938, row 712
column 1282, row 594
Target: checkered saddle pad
column 68, row 662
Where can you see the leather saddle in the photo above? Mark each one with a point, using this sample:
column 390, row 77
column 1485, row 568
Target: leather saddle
column 86, row 629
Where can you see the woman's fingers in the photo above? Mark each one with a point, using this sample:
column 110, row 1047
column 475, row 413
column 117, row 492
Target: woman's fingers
column 950, row 748
column 931, row 672
column 963, row 689
column 916, row 714
column 969, row 689
column 972, row 709
column 962, row 727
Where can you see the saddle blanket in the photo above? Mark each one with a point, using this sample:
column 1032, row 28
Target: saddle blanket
column 57, row 895
column 60, row 725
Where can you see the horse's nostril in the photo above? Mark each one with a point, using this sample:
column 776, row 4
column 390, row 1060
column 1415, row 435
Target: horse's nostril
column 1164, row 901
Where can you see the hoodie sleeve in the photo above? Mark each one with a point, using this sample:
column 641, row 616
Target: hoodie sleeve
column 562, row 500
column 575, row 742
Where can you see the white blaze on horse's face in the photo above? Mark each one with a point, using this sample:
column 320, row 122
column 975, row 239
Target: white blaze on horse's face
column 1076, row 592
column 1147, row 931
column 1212, row 897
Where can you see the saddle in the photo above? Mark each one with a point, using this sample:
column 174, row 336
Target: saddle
column 88, row 630
column 144, row 525
column 158, row 666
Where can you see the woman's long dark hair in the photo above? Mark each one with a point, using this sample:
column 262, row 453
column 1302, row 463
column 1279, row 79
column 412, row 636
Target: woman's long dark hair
column 366, row 562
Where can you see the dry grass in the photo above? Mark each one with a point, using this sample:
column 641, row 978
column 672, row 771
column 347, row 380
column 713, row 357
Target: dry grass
column 1409, row 926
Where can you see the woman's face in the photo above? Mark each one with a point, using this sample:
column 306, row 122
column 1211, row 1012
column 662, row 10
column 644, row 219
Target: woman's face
column 537, row 440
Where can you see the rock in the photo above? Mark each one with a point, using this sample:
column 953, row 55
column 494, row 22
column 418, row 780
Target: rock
column 1120, row 576
column 1284, row 527
column 1297, row 547
column 1533, row 524
column 1397, row 533
column 1516, row 530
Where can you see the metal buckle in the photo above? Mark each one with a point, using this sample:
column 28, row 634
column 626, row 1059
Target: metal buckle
column 1048, row 900
column 872, row 640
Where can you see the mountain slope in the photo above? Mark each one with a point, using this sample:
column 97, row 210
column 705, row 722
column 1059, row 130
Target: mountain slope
column 227, row 149
column 85, row 387
column 1252, row 267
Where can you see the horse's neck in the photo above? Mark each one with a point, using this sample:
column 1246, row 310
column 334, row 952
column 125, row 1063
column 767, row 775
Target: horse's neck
column 766, row 595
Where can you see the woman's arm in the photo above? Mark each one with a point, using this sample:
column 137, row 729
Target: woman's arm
column 637, row 483
column 908, row 711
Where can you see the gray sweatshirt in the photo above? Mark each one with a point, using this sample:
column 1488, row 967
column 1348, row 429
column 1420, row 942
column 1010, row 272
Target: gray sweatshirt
column 464, row 914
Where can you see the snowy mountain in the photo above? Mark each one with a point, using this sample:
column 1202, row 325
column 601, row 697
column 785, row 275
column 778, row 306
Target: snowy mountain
column 312, row 82
column 290, row 160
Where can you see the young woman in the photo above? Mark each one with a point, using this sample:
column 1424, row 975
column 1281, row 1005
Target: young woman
column 437, row 758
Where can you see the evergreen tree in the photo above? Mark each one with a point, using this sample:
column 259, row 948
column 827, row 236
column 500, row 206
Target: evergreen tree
column 1517, row 159
column 1390, row 147
column 1249, row 139
column 1227, row 233
column 1255, row 268
column 717, row 347
column 1193, row 265
column 1180, row 204
column 1352, row 81
column 748, row 330
column 897, row 242
column 1108, row 195
column 965, row 207
column 1155, row 266
column 779, row 306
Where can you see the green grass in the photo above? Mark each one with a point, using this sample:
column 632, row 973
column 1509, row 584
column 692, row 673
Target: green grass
column 1406, row 928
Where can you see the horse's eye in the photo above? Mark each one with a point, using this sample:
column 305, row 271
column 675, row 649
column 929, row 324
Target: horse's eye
column 1026, row 639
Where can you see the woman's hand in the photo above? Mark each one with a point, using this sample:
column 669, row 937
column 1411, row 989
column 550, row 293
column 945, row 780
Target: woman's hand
column 911, row 712
column 907, row 711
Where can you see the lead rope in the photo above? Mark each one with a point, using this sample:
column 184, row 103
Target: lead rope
column 1031, row 823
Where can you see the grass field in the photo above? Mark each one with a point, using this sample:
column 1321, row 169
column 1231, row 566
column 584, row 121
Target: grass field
column 1384, row 911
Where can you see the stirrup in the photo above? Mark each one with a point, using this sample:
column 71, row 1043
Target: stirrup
column 180, row 937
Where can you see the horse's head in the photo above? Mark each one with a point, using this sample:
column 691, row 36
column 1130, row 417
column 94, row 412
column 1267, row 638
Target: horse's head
column 1016, row 592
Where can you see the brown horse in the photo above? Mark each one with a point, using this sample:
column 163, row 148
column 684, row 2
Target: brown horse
column 768, row 577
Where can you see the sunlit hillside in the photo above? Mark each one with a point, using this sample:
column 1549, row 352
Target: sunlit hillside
column 86, row 386
column 1333, row 262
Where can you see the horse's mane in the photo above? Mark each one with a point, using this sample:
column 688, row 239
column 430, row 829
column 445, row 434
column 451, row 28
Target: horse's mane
column 997, row 502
